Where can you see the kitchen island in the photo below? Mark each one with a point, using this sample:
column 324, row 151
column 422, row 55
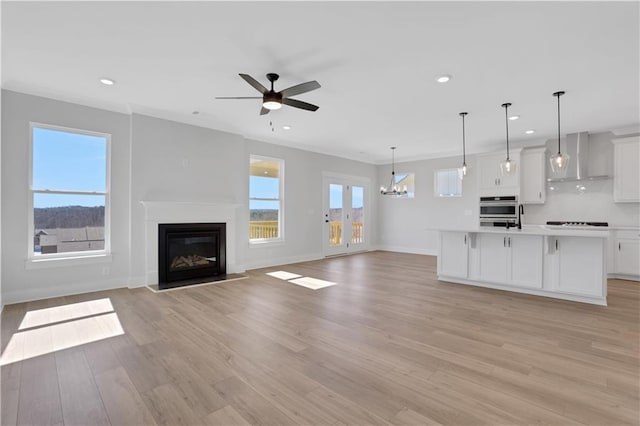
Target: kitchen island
column 546, row 261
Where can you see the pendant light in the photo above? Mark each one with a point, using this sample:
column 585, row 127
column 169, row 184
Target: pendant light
column 465, row 168
column 559, row 162
column 393, row 188
column 508, row 166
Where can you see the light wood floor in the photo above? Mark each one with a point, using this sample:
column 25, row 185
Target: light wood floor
column 388, row 344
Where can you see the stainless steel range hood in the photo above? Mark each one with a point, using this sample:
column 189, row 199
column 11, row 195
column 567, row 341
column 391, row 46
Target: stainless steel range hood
column 577, row 146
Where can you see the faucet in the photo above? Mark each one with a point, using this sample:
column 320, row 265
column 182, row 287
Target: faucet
column 520, row 213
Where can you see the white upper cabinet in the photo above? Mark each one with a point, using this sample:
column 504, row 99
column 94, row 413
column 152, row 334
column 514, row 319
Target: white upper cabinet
column 532, row 172
column 626, row 170
column 491, row 180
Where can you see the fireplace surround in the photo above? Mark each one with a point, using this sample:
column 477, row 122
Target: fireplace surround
column 190, row 253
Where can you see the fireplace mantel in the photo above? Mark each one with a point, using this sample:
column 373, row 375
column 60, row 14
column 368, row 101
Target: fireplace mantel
column 156, row 212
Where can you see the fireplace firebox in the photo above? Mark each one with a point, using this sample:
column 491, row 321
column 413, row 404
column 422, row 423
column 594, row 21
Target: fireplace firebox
column 190, row 253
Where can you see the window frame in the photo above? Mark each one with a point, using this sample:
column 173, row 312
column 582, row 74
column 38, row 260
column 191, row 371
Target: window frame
column 436, row 172
column 78, row 257
column 410, row 194
column 281, row 164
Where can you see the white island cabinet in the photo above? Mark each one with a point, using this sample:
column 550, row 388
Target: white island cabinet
column 455, row 249
column 577, row 268
column 564, row 264
column 510, row 259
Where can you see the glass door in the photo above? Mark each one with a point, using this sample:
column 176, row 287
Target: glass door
column 344, row 217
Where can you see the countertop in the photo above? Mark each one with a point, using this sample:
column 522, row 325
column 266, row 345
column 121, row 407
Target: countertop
column 537, row 230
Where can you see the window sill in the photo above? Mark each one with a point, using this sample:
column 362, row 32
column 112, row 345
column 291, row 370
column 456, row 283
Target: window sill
column 266, row 243
column 77, row 260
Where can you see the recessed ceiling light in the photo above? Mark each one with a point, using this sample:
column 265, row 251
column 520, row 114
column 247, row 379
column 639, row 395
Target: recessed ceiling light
column 443, row 78
column 514, row 117
column 530, row 132
column 286, row 127
column 107, row 81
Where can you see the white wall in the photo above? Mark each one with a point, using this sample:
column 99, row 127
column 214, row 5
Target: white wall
column 407, row 224
column 155, row 160
column 160, row 160
column 19, row 283
column 404, row 224
column 596, row 203
column 303, row 210
column 175, row 162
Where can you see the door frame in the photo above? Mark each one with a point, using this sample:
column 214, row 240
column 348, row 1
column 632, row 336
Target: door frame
column 344, row 179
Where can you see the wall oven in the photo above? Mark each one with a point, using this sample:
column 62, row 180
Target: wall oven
column 501, row 211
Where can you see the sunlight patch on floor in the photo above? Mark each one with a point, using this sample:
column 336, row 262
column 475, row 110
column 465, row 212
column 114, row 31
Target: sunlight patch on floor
column 53, row 329
column 312, row 283
column 283, row 275
column 62, row 313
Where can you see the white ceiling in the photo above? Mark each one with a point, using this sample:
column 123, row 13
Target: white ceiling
column 376, row 61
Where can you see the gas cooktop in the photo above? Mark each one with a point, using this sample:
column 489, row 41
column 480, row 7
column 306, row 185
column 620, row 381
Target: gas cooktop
column 577, row 224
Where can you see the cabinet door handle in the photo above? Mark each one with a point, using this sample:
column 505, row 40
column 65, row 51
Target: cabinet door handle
column 465, row 239
column 556, row 244
column 540, row 195
column 504, row 241
column 619, row 247
column 509, row 241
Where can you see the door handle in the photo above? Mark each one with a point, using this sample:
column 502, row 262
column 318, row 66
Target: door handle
column 540, row 195
column 619, row 247
column 504, row 241
column 465, row 239
column 509, row 241
column 556, row 244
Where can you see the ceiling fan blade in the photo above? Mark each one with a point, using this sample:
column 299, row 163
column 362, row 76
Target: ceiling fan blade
column 299, row 104
column 238, row 97
column 264, row 111
column 300, row 88
column 255, row 83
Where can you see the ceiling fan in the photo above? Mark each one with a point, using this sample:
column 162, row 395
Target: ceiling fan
column 272, row 100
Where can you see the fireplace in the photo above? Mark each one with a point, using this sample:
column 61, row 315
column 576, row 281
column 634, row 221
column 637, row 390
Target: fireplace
column 190, row 253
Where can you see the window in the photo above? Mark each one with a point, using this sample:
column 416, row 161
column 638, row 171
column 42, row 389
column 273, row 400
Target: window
column 406, row 181
column 448, row 183
column 265, row 199
column 69, row 192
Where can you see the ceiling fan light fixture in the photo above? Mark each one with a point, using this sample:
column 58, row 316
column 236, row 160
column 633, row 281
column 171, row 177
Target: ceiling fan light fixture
column 272, row 105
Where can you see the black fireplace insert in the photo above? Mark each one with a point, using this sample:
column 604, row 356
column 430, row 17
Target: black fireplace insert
column 190, row 253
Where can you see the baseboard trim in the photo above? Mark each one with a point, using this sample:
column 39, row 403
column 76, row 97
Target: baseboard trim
column 61, row 291
column 410, row 250
column 623, row 277
column 602, row 301
column 267, row 263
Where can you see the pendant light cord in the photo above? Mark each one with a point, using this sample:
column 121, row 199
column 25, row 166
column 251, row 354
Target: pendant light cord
column 506, row 120
column 464, row 154
column 558, row 96
column 393, row 162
